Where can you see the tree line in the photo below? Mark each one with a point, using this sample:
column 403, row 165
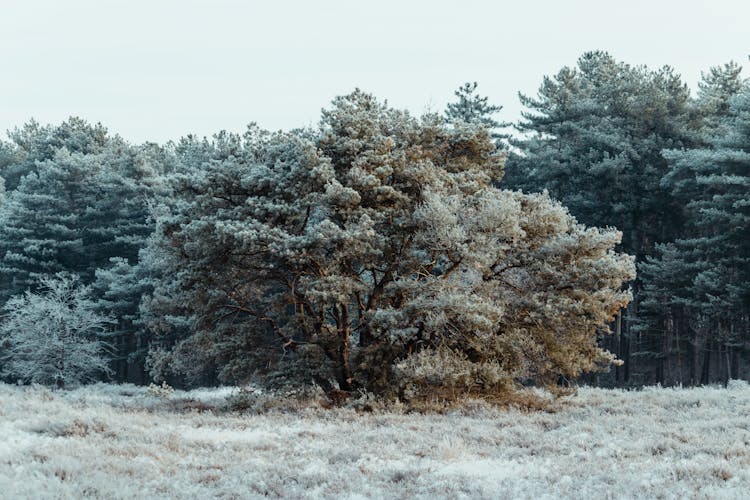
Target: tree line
column 629, row 147
column 405, row 256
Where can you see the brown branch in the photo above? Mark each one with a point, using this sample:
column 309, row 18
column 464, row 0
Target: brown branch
column 377, row 292
column 307, row 218
column 262, row 317
column 498, row 272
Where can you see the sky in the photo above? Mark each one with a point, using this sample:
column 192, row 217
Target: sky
column 159, row 69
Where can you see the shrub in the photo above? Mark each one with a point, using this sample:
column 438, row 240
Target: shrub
column 54, row 336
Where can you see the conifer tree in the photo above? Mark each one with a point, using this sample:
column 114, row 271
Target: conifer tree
column 714, row 183
column 72, row 214
column 471, row 107
column 34, row 143
column 717, row 86
column 362, row 258
column 593, row 138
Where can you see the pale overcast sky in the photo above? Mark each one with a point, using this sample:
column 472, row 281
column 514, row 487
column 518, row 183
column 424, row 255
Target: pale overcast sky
column 159, row 69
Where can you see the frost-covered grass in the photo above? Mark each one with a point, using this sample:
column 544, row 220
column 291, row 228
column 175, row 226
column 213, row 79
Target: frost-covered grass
column 120, row 442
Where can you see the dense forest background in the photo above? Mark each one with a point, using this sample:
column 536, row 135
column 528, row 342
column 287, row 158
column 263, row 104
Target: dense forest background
column 630, row 147
column 620, row 146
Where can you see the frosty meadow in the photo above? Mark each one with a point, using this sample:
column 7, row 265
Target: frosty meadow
column 106, row 441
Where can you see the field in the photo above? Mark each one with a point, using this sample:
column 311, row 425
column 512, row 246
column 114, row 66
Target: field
column 108, row 441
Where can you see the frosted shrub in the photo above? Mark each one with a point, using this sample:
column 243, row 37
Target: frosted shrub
column 376, row 254
column 243, row 399
column 161, row 391
column 54, row 336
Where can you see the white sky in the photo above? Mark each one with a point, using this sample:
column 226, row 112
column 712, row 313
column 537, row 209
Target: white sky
column 159, row 69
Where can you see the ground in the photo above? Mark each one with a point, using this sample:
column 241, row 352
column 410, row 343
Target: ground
column 110, row 441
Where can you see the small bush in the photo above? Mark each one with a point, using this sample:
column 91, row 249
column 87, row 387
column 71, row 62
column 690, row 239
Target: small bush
column 54, row 337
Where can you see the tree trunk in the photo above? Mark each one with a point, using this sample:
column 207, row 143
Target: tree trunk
column 618, row 346
column 677, row 327
column 625, row 349
column 344, row 331
column 706, row 369
column 729, row 366
column 663, row 361
column 695, row 367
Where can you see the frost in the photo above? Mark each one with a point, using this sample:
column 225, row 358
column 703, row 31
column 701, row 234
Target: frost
column 117, row 441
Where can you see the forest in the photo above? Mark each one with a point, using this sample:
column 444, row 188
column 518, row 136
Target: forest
column 603, row 239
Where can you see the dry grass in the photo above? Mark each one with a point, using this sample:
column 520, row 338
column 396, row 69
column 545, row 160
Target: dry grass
column 120, row 442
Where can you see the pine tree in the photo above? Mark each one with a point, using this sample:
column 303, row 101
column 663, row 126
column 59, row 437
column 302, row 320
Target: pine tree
column 73, row 214
column 117, row 291
column 596, row 136
column 33, row 144
column 473, row 108
column 362, row 257
column 717, row 86
column 593, row 138
column 714, row 183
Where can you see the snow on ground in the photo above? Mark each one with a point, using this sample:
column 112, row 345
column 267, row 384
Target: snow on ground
column 108, row 441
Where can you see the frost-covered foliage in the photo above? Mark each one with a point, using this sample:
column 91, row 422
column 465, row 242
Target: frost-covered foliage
column 628, row 146
column 54, row 336
column 362, row 253
column 470, row 107
column 716, row 88
column 119, row 442
column 76, row 197
column 77, row 201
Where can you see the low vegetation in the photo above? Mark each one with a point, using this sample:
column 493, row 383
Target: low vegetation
column 123, row 441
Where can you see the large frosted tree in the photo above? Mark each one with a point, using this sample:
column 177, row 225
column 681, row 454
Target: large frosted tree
column 375, row 253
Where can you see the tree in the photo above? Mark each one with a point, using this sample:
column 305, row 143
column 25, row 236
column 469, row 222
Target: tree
column 117, row 292
column 717, row 86
column 358, row 259
column 595, row 134
column 473, row 108
column 79, row 202
column 714, row 184
column 54, row 336
column 665, row 322
column 74, row 211
column 33, row 144
column 594, row 137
